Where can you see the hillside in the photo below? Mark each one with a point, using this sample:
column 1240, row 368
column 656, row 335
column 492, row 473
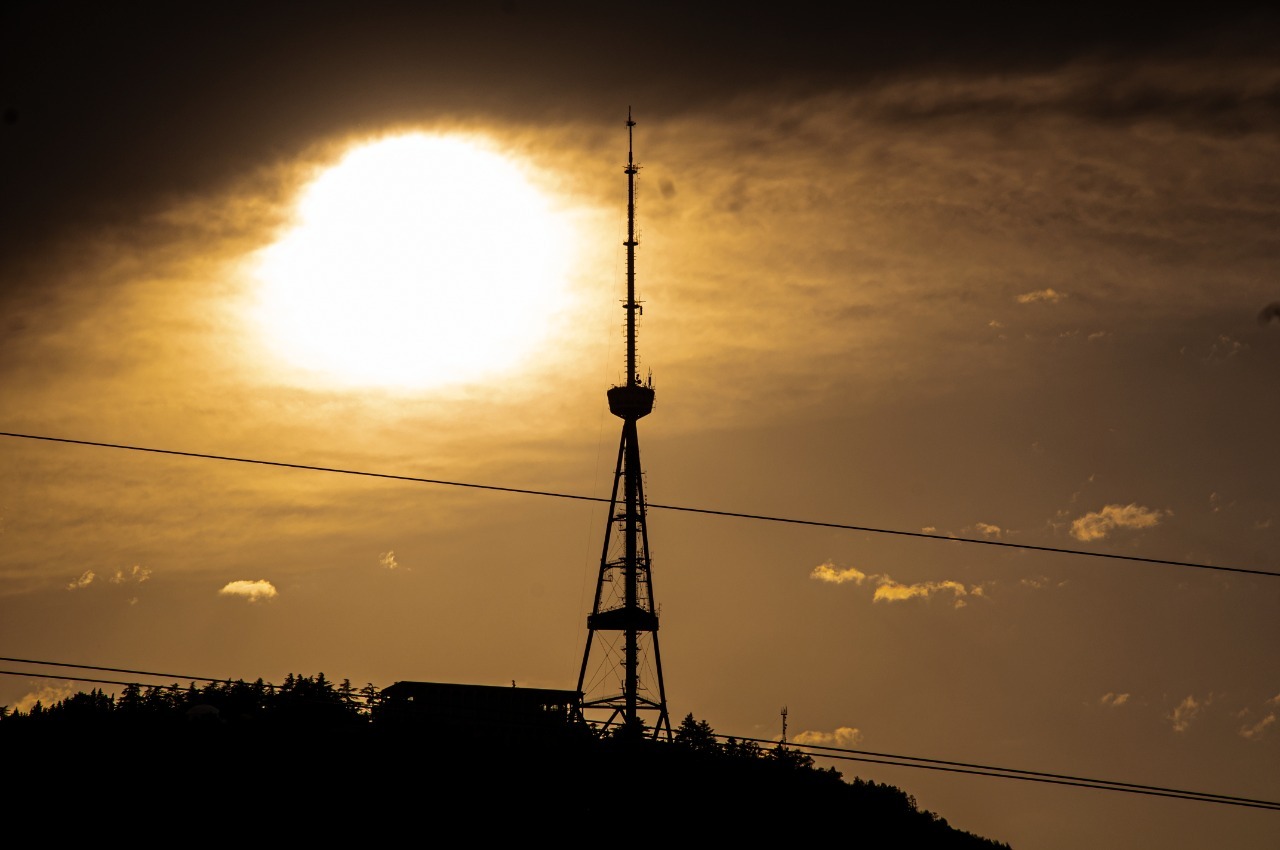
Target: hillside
column 309, row 759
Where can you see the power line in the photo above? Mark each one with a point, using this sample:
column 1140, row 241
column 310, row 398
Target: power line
column 28, row 673
column 823, row 751
column 682, row 508
column 171, row 676
column 1017, row 773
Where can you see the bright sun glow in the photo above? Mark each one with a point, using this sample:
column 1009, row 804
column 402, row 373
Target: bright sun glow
column 417, row 261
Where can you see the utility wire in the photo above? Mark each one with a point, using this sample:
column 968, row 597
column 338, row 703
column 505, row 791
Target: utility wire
column 868, row 756
column 171, row 676
column 681, row 508
column 1015, row 773
column 28, row 673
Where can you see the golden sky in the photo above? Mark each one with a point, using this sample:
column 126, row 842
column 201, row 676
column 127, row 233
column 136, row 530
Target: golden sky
column 981, row 276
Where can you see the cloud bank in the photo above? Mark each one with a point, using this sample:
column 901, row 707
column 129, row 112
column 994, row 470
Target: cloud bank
column 46, row 696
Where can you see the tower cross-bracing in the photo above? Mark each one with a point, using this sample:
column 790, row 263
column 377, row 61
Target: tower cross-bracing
column 624, row 676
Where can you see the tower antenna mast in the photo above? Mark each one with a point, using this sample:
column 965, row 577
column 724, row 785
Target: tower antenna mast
column 623, row 610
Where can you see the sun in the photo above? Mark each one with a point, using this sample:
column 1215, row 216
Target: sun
column 417, row 261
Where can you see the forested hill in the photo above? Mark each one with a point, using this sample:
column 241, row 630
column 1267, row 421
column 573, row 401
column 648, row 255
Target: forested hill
column 315, row 759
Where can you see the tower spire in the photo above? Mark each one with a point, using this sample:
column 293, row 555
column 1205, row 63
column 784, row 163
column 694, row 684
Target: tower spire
column 623, row 624
column 632, row 307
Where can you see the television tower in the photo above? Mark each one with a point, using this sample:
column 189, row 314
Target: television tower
column 623, row 611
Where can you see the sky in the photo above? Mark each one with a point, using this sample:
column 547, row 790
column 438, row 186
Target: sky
column 962, row 272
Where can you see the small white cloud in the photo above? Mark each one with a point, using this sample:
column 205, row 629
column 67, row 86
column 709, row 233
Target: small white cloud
column 86, row 579
column 1098, row 524
column 1275, row 700
column 1254, row 731
column 986, row 529
column 135, row 573
column 1186, row 712
column 827, row 572
column 1052, row 296
column 1114, row 700
column 929, row 529
column 388, row 560
column 254, row 591
column 994, row 323
column 1097, row 335
column 844, row 736
column 891, row 591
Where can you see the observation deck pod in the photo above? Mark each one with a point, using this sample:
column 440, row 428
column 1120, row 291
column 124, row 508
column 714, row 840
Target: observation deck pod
column 624, row 619
column 631, row 401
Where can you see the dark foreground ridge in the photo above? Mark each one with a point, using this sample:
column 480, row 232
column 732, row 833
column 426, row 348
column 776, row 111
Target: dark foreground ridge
column 246, row 761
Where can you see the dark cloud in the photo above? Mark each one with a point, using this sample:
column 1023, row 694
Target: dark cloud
column 1269, row 312
column 125, row 106
column 1244, row 102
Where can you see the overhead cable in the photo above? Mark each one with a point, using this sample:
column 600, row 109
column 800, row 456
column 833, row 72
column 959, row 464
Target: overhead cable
column 895, row 760
column 682, row 508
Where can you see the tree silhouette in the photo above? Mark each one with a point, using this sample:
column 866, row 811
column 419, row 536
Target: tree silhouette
column 325, row 744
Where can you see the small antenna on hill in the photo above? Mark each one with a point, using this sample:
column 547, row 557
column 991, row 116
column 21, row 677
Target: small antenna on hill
column 784, row 726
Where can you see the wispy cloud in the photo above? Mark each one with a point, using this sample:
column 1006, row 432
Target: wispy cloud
column 888, row 590
column 1114, row 700
column 86, row 579
column 1041, row 582
column 843, row 736
column 1256, row 730
column 827, row 572
column 1186, row 712
column 388, row 560
column 1050, row 295
column 1096, row 525
column 254, row 591
column 135, row 573
column 1224, row 348
column 892, row 591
